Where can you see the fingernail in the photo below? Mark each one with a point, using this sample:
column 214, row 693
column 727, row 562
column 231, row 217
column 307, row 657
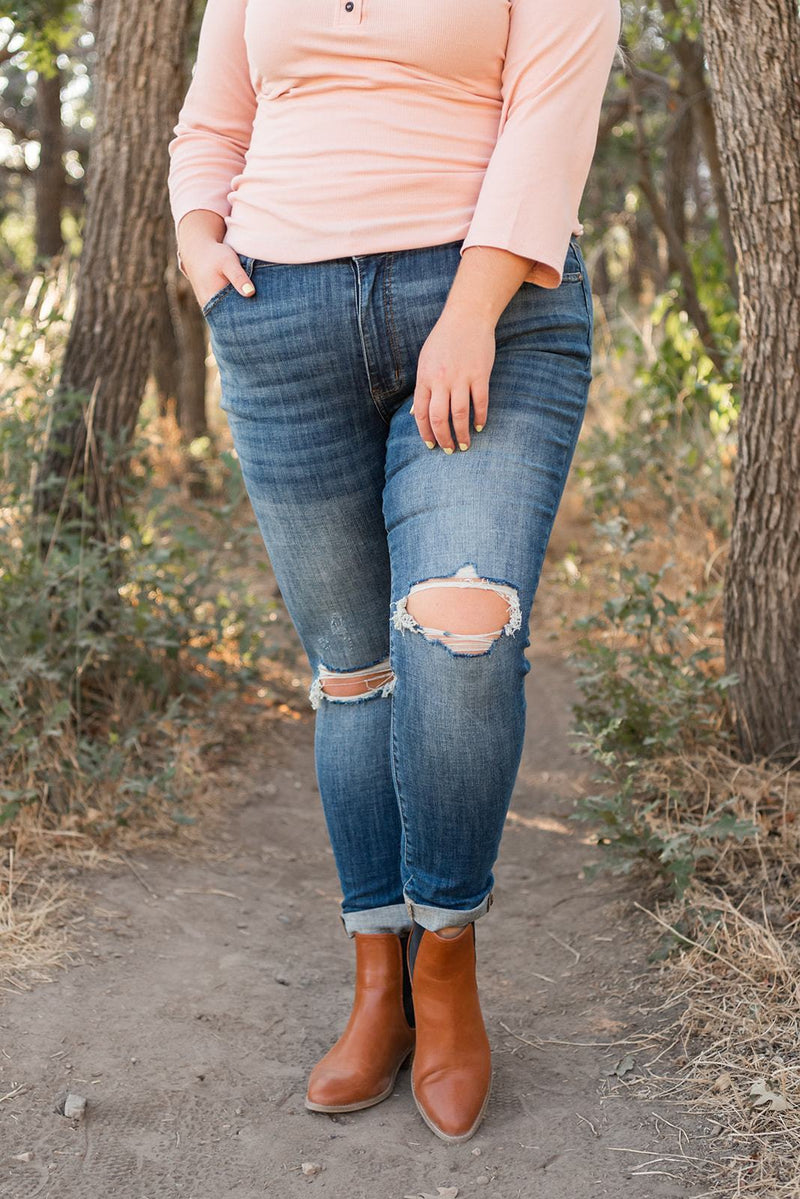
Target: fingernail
column 411, row 409
column 247, row 289
column 431, row 445
column 478, row 428
column 448, row 449
column 462, row 445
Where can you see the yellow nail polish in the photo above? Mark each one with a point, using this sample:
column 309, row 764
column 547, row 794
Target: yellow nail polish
column 478, row 428
column 448, row 449
column 411, row 409
column 248, row 289
column 462, row 445
column 431, row 445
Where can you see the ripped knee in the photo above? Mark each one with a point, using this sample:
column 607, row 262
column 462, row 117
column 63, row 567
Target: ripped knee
column 463, row 611
column 347, row 686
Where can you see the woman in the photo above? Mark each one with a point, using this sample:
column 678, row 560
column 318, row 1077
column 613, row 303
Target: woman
column 376, row 205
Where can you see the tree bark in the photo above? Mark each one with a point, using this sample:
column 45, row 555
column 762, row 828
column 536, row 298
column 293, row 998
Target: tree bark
column 49, row 177
column 109, row 351
column 753, row 49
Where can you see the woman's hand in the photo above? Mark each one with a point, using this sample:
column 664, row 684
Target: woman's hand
column 457, row 358
column 206, row 261
column 211, row 267
column 454, row 366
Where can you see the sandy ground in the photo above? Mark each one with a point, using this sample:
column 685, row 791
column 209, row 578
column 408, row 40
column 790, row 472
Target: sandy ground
column 203, row 991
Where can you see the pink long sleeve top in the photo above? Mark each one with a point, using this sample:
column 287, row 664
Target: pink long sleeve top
column 323, row 128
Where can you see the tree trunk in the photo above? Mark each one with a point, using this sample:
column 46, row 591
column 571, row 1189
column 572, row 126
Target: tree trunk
column 678, row 257
column 179, row 370
column 49, row 177
column 704, row 120
column 193, row 348
column 691, row 56
column 753, row 49
column 165, row 365
column 109, row 352
column 179, row 356
column 646, row 276
column 679, row 145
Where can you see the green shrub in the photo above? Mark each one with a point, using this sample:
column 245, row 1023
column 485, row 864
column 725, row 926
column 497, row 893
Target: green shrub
column 653, row 686
column 649, row 698
column 109, row 652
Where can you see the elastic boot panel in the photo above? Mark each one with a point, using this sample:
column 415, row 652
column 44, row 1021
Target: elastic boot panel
column 408, row 1001
column 414, row 938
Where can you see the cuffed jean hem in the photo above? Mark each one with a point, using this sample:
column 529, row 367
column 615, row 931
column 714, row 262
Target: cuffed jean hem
column 437, row 918
column 393, row 918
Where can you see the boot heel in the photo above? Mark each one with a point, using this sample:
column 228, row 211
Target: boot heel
column 407, row 1063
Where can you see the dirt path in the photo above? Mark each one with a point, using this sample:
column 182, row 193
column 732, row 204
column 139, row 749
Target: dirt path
column 206, row 989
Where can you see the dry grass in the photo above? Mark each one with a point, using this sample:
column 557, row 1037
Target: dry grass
column 736, row 982
column 46, row 856
column 736, row 987
column 33, row 929
column 730, row 983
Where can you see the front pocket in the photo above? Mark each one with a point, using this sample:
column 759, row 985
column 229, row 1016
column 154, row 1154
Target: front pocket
column 572, row 276
column 217, row 296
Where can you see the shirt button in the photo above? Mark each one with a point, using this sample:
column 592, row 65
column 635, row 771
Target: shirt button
column 349, row 6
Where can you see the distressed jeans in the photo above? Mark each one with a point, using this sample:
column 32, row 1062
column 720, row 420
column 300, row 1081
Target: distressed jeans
column 317, row 373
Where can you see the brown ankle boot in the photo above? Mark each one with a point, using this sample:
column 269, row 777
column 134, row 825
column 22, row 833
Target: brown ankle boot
column 452, row 1071
column 362, row 1066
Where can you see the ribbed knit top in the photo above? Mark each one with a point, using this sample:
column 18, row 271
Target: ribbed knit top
column 322, row 128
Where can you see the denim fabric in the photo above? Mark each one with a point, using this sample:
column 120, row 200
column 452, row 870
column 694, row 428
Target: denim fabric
column 317, row 373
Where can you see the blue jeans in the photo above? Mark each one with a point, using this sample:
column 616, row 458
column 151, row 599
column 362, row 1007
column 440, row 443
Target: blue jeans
column 317, row 373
